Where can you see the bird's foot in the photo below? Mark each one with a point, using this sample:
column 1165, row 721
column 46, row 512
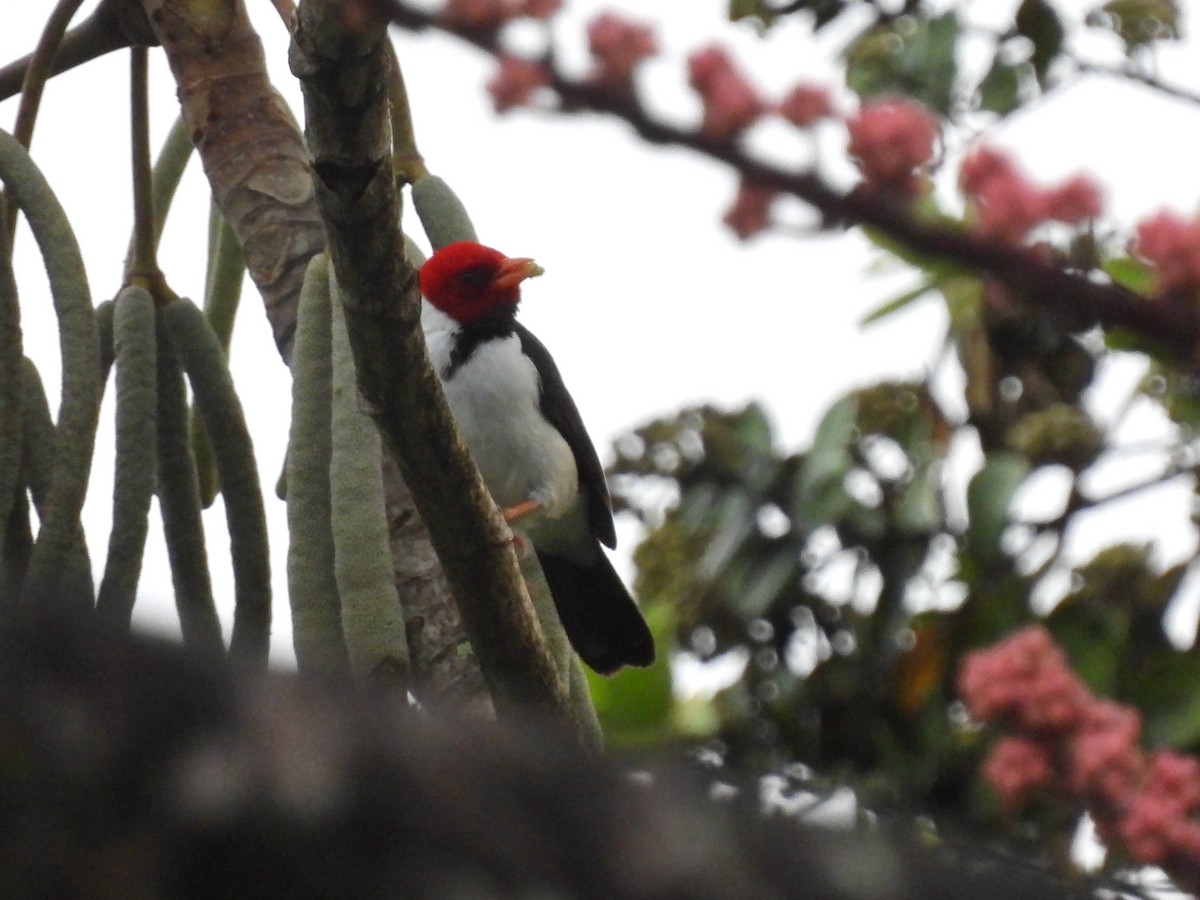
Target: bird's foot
column 514, row 512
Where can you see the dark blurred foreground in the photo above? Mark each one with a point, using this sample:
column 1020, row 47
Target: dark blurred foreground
column 130, row 770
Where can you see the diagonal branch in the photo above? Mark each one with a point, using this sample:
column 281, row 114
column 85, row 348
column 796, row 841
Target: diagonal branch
column 1172, row 324
column 343, row 74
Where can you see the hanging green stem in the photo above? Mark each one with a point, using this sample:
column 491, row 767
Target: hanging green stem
column 179, row 503
column 312, row 588
column 39, row 443
column 372, row 617
column 134, row 341
column 215, row 397
column 36, row 75
column 10, row 385
column 80, row 405
column 222, row 293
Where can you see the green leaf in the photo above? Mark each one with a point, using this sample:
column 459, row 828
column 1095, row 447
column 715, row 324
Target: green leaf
column 918, row 509
column 1037, row 21
column 1130, row 273
column 897, row 303
column 999, row 91
column 769, row 580
column 1095, row 638
column 1140, row 22
column 1166, row 688
column 916, row 60
column 989, row 495
column 820, row 497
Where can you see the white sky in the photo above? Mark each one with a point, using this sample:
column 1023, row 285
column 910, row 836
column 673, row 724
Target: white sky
column 648, row 302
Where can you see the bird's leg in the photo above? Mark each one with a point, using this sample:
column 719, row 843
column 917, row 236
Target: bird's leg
column 514, row 512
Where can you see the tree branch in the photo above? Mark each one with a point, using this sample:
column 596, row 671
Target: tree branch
column 1172, row 324
column 114, row 25
column 343, row 73
column 267, row 197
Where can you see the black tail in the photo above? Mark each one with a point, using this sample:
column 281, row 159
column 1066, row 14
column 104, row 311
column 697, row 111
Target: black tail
column 602, row 622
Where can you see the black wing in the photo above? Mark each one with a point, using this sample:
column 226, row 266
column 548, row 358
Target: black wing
column 559, row 409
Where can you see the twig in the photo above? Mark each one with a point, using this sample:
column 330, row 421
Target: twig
column 141, row 265
column 114, row 25
column 32, row 83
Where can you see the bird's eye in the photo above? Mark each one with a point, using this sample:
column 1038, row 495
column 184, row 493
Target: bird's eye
column 473, row 278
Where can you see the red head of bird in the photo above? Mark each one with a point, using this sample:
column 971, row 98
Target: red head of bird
column 467, row 280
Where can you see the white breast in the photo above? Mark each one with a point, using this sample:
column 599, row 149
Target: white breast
column 494, row 399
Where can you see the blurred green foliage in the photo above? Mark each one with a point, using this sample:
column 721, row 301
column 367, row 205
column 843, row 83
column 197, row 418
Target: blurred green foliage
column 849, row 579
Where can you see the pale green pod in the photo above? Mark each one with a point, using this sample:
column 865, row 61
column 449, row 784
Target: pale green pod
column 134, row 347
column 104, row 335
column 413, row 253
column 372, row 617
column 79, row 408
column 38, row 451
column 11, row 354
column 312, row 587
column 442, row 214
column 179, row 504
column 222, row 294
column 215, row 398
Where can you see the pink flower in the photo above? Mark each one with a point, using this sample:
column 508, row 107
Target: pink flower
column 731, row 104
column 479, row 14
column 806, row 104
column 618, row 46
column 1171, row 244
column 515, row 82
column 1074, row 200
column 891, row 140
column 1026, row 680
column 751, row 209
column 1157, row 824
column 981, row 166
column 1174, row 775
column 1015, row 767
column 1008, row 206
column 1106, row 761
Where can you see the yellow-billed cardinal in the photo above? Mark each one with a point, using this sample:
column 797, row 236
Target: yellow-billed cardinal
column 527, row 438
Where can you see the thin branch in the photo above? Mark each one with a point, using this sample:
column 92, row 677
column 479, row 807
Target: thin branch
column 115, row 25
column 1145, row 79
column 407, row 163
column 141, row 266
column 342, row 72
column 37, row 73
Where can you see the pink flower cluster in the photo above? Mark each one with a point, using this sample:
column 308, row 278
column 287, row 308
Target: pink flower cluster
column 731, row 103
column 891, row 141
column 515, row 82
column 618, row 45
column 492, row 14
column 751, row 209
column 1171, row 244
column 1068, row 743
column 1008, row 206
column 806, row 104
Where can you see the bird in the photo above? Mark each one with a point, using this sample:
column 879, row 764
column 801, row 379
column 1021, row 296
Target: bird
column 526, row 436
